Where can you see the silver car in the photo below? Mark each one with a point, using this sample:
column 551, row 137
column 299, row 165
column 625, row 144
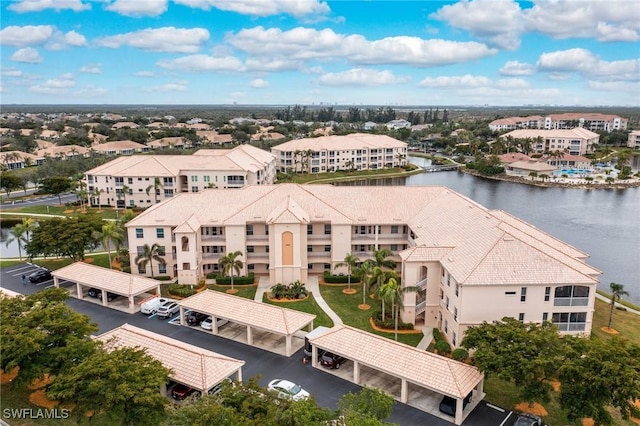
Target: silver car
column 168, row 310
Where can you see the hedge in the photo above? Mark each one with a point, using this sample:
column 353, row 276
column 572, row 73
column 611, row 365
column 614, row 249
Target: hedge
column 163, row 278
column 340, row 279
column 244, row 280
column 442, row 347
column 389, row 324
column 183, row 290
column 460, row 354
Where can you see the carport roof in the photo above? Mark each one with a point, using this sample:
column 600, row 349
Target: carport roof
column 438, row 373
column 193, row 366
column 248, row 312
column 107, row 279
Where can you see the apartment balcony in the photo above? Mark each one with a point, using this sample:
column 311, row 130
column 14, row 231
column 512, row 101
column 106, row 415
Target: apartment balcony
column 443, row 304
column 402, row 237
column 167, row 185
column 119, row 184
column 212, row 237
column 234, row 185
column 257, row 256
column 210, row 256
column 261, row 237
column 570, row 301
column 370, row 237
column 319, row 254
column 319, row 237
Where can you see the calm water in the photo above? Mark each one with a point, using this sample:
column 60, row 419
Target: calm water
column 603, row 223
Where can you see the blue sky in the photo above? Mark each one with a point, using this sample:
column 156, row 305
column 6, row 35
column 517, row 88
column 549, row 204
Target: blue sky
column 469, row 52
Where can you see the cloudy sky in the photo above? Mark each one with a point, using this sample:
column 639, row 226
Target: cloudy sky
column 468, row 52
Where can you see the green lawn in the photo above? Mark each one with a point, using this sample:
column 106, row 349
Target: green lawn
column 309, row 306
column 53, row 264
column 622, row 301
column 626, row 323
column 346, row 306
column 105, row 213
column 248, row 292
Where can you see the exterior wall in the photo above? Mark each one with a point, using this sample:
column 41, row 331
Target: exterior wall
column 297, row 270
column 603, row 123
column 187, row 257
column 150, row 237
column 634, row 139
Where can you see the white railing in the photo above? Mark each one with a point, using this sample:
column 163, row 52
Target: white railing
column 421, row 307
column 422, row 282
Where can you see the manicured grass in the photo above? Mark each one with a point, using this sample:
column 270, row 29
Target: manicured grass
column 622, row 301
column 627, row 324
column 7, row 263
column 346, row 306
column 53, row 264
column 105, row 213
column 309, row 306
column 248, row 292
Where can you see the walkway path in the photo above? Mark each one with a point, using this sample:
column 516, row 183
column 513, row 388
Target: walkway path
column 618, row 305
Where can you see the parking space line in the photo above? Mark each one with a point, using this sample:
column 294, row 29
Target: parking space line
column 44, row 282
column 49, row 286
column 506, row 418
column 30, row 268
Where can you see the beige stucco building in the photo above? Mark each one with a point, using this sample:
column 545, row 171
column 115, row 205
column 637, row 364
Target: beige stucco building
column 471, row 264
column 576, row 141
column 590, row 121
column 130, row 181
column 358, row 151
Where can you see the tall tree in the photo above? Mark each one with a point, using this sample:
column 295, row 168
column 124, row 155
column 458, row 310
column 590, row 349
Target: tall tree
column 363, row 272
column 125, row 381
column 148, row 255
column 20, row 234
column 231, row 263
column 56, row 185
column 156, row 186
column 617, row 291
column 351, row 262
column 369, row 401
column 393, row 292
column 526, row 354
column 111, row 233
column 67, row 237
column 9, row 182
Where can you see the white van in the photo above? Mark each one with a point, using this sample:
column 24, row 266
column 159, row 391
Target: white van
column 150, row 306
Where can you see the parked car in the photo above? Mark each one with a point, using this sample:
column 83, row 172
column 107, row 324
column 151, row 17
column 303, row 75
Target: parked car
column 168, row 309
column 196, row 318
column 40, row 275
column 97, row 293
column 208, row 322
column 181, row 392
column 287, row 389
column 331, row 360
column 448, row 404
column 526, row 419
column 151, row 306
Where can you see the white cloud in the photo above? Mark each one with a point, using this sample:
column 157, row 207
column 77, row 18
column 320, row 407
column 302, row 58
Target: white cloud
column 169, row 87
column 497, row 22
column 361, row 77
column 91, row 69
column 259, row 83
column 61, row 41
column 615, row 86
column 585, row 63
column 90, row 92
column 145, row 74
column 22, row 6
column 55, row 86
column 166, row 39
column 272, row 64
column 296, row 8
column 455, row 81
column 11, row 72
column 28, row 55
column 199, row 63
column 26, row 36
column 517, row 68
column 307, row 43
column 137, row 8
column 612, row 20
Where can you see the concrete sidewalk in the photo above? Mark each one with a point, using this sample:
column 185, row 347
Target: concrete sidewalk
column 618, row 305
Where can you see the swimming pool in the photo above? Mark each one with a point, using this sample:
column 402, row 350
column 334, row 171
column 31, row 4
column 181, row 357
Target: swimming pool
column 571, row 172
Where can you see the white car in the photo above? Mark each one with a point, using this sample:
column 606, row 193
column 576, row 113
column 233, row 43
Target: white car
column 207, row 323
column 151, row 306
column 288, row 390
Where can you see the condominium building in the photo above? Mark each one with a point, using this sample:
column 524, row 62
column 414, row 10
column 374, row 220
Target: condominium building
column 634, row 139
column 590, row 121
column 469, row 263
column 575, row 141
column 358, row 151
column 141, row 180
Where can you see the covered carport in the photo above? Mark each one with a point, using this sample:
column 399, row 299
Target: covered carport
column 190, row 365
column 255, row 316
column 133, row 288
column 415, row 368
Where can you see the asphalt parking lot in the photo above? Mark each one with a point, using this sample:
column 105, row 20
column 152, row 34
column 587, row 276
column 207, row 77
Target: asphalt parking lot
column 325, row 388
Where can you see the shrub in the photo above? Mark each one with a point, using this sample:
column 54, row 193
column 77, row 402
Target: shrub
column 389, row 323
column 340, row 279
column 437, row 335
column 460, row 354
column 295, row 290
column 442, row 347
column 243, row 280
column 183, row 290
column 163, row 278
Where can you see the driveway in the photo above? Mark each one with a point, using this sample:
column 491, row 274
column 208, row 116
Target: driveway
column 326, row 388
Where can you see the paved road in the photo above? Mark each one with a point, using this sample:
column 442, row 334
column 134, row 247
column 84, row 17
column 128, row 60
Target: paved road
column 42, row 200
column 326, row 388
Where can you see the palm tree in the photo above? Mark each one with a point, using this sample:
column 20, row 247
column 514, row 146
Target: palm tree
column 156, row 186
column 392, row 291
column 617, row 291
column 380, row 259
column 111, row 232
column 18, row 234
column 125, row 189
column 363, row 272
column 230, row 263
column 379, row 277
column 148, row 255
column 351, row 262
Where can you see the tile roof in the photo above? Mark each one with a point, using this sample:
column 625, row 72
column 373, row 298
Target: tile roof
column 190, row 365
column 438, row 373
column 536, row 166
column 352, row 141
column 117, row 145
column 578, row 132
column 107, row 279
column 248, row 312
column 466, row 237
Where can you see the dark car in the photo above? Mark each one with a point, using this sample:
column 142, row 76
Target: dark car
column 526, row 419
column 40, row 275
column 181, row 392
column 97, row 293
column 448, row 404
column 331, row 360
column 195, row 318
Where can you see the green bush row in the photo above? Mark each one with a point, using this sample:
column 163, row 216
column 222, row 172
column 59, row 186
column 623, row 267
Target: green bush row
column 340, row 279
column 486, row 169
column 243, row 280
column 163, row 278
column 295, row 290
column 183, row 290
column 389, row 323
column 460, row 354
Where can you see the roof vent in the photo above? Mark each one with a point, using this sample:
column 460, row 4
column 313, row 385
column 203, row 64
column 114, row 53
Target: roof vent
column 450, row 259
column 435, row 244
